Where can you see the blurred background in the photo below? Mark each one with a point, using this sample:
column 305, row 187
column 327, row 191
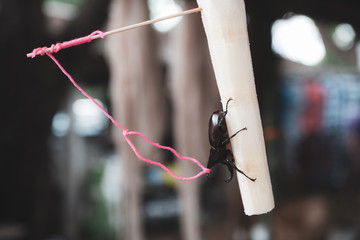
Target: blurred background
column 67, row 173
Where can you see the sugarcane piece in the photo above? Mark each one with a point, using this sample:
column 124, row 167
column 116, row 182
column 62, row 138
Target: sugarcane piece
column 226, row 30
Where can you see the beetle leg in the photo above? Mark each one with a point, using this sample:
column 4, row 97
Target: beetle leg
column 227, row 103
column 224, row 112
column 231, row 163
column 231, row 170
column 222, row 118
column 228, row 161
column 226, row 141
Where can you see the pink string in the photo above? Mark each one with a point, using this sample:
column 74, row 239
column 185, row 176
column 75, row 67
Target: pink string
column 57, row 47
column 204, row 170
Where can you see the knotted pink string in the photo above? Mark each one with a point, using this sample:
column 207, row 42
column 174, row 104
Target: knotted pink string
column 57, row 47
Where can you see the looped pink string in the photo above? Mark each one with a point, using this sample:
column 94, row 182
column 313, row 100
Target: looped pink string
column 57, row 47
column 204, row 170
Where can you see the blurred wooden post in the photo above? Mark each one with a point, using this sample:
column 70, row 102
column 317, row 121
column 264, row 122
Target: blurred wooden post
column 194, row 94
column 137, row 103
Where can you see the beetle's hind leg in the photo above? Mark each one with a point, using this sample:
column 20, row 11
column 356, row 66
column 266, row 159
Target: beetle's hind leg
column 234, row 166
column 230, row 163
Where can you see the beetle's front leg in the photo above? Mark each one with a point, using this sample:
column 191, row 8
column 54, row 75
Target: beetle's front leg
column 224, row 112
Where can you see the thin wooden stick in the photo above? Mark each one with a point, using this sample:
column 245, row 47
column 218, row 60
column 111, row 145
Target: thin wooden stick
column 137, row 25
column 194, row 10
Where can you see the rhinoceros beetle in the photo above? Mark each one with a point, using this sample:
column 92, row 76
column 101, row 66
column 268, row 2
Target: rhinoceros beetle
column 219, row 139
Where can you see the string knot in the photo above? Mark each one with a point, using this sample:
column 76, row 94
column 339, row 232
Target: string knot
column 36, row 51
column 126, row 132
column 98, row 32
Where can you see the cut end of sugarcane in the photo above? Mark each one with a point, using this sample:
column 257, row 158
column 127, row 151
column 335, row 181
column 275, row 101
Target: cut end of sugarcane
column 257, row 196
column 226, row 31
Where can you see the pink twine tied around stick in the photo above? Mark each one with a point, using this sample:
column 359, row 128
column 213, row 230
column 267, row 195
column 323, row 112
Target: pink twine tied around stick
column 57, row 47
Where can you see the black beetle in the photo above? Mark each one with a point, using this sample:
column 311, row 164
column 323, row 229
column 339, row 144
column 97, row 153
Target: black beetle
column 219, row 139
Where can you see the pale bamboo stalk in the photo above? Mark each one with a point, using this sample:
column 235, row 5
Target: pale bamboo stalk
column 226, row 29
